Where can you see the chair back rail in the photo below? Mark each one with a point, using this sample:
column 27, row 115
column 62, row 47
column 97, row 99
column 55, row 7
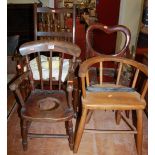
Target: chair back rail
column 137, row 68
column 50, row 48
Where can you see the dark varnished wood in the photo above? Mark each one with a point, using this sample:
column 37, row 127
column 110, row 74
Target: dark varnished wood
column 108, row 30
column 107, row 96
column 54, row 104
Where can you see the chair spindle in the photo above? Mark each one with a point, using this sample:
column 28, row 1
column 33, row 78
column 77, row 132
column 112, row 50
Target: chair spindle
column 60, row 69
column 87, row 78
column 50, row 70
column 40, row 70
column 144, row 90
column 135, row 78
column 119, row 73
column 30, row 75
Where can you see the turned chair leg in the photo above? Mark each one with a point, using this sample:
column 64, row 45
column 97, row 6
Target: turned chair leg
column 139, row 137
column 118, row 116
column 24, row 134
column 69, row 128
column 80, row 130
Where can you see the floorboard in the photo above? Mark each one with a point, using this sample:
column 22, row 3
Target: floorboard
column 91, row 144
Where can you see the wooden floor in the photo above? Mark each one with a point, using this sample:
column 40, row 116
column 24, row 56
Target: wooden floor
column 91, row 144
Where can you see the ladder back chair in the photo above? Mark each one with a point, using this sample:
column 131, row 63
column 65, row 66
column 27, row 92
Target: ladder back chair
column 52, row 104
column 105, row 96
column 55, row 23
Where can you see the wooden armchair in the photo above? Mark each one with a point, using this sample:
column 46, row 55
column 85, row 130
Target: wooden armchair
column 51, row 101
column 55, row 23
column 107, row 96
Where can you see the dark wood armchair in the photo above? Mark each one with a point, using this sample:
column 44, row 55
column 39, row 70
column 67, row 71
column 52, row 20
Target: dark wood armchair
column 51, row 101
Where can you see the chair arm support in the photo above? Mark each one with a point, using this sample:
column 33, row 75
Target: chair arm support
column 13, row 86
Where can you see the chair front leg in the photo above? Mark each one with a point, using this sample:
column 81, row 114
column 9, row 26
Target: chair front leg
column 139, row 131
column 24, row 134
column 80, row 130
column 69, row 128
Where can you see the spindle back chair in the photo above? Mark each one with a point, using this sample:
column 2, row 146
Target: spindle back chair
column 107, row 96
column 52, row 104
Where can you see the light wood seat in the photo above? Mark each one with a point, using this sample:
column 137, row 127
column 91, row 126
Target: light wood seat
column 117, row 97
column 113, row 100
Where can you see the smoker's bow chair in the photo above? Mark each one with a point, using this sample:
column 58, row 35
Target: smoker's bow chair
column 52, row 104
column 105, row 96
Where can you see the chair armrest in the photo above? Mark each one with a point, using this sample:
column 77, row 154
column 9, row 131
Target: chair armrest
column 14, row 85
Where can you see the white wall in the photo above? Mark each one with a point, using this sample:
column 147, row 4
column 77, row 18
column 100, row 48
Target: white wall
column 130, row 15
column 51, row 3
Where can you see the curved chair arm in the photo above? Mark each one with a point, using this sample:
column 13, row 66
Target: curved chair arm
column 108, row 30
column 13, row 86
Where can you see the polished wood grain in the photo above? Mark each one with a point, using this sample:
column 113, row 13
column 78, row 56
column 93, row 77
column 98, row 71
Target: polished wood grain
column 108, row 30
column 112, row 96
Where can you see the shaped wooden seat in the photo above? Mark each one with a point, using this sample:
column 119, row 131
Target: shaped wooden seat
column 45, row 105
